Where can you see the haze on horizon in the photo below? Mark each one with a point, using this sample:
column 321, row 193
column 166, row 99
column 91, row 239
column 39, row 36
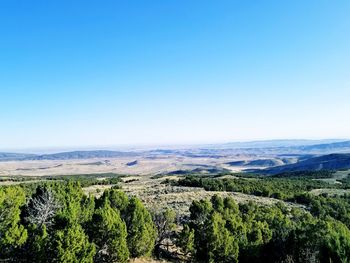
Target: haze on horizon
column 76, row 74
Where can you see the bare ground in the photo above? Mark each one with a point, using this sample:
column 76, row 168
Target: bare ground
column 143, row 166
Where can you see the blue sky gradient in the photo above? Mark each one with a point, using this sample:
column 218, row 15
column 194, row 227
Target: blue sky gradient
column 89, row 73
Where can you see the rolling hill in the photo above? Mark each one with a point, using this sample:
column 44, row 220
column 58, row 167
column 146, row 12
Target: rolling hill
column 65, row 155
column 82, row 155
column 327, row 147
column 324, row 162
column 268, row 152
column 14, row 156
column 259, row 163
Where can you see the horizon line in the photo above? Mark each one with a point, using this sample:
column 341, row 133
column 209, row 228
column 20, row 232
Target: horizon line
column 150, row 146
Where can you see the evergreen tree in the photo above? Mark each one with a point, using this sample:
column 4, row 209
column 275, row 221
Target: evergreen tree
column 109, row 233
column 164, row 222
column 117, row 199
column 186, row 240
column 222, row 246
column 87, row 209
column 141, row 230
column 13, row 235
column 71, row 245
column 38, row 247
column 218, row 203
column 200, row 210
column 334, row 237
column 70, row 196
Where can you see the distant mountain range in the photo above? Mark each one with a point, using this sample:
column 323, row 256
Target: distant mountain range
column 15, row 156
column 257, row 148
column 329, row 147
column 324, row 162
column 282, row 147
column 274, row 144
column 66, row 155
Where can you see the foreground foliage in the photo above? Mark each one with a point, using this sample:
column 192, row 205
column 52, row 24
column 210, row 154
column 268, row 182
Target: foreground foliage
column 222, row 231
column 58, row 223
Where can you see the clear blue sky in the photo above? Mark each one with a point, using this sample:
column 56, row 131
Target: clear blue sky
column 84, row 73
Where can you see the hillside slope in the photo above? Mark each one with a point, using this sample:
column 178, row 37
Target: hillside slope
column 82, row 155
column 258, row 163
column 14, row 156
column 325, row 162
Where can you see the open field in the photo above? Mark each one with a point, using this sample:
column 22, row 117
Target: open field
column 157, row 195
column 140, row 180
column 339, row 175
column 122, row 165
column 330, row 191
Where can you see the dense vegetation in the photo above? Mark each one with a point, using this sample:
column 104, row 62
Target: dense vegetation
column 56, row 222
column 222, row 231
column 280, row 188
column 84, row 179
column 306, row 174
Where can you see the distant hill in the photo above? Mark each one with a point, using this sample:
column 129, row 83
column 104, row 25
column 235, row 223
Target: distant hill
column 65, row 155
column 260, row 162
column 14, row 156
column 214, row 170
column 266, row 162
column 327, row 147
column 132, row 163
column 261, row 148
column 248, row 150
column 325, row 162
column 238, row 163
column 274, row 143
column 82, row 155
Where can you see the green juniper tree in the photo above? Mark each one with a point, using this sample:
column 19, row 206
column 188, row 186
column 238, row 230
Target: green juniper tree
column 141, row 230
column 71, row 245
column 186, row 240
column 13, row 235
column 108, row 232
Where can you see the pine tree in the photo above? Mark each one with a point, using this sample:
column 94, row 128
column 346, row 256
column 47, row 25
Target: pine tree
column 186, row 240
column 164, row 222
column 222, row 246
column 71, row 198
column 334, row 239
column 108, row 232
column 218, row 203
column 13, row 235
column 141, row 230
column 117, row 199
column 71, row 245
column 37, row 248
